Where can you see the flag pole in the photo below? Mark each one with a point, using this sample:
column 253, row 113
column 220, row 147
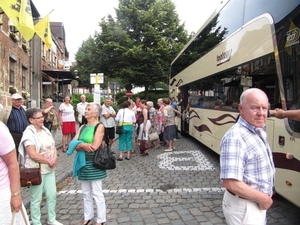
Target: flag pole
column 50, row 12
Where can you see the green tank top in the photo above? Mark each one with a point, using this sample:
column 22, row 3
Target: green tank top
column 89, row 172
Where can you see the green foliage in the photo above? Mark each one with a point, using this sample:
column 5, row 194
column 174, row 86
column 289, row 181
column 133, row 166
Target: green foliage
column 137, row 47
column 75, row 99
column 159, row 86
column 85, row 62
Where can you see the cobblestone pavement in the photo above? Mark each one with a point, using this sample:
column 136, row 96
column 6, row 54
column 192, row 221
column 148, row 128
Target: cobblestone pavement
column 180, row 187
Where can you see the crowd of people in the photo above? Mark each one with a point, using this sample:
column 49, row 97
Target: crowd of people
column 30, row 133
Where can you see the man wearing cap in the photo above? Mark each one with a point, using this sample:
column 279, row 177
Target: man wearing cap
column 14, row 118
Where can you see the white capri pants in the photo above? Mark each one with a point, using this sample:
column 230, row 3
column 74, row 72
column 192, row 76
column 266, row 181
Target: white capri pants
column 145, row 135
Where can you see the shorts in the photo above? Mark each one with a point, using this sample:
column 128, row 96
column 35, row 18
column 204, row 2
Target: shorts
column 110, row 132
column 68, row 128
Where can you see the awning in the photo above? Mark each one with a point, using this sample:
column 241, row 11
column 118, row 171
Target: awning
column 46, row 78
column 61, row 76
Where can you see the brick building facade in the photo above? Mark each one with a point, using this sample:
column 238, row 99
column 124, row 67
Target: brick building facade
column 27, row 67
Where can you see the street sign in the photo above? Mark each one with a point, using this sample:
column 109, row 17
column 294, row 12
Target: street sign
column 74, row 83
column 96, row 78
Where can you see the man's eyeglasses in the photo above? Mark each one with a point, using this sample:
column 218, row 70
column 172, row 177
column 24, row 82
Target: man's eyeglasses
column 37, row 118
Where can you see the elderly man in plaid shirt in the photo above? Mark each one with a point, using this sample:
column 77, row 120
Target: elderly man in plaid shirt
column 247, row 168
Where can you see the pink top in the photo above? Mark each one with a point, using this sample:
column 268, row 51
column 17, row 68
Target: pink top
column 5, row 147
column 68, row 114
column 160, row 114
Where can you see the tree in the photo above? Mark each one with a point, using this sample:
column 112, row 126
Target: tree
column 140, row 44
column 85, row 58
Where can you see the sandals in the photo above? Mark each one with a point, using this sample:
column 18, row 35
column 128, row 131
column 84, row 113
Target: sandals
column 87, row 222
column 119, row 159
column 127, row 158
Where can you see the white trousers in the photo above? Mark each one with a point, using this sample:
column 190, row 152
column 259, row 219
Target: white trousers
column 238, row 211
column 90, row 190
column 144, row 136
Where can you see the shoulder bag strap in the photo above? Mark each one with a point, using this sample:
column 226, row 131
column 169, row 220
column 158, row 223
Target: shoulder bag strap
column 26, row 152
column 105, row 135
column 123, row 114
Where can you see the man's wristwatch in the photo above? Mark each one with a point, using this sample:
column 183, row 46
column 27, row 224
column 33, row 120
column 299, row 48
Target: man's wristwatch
column 16, row 194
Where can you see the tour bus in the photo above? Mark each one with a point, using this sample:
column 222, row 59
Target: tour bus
column 244, row 44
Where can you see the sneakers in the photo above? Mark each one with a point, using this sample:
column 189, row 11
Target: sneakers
column 54, row 223
column 168, row 150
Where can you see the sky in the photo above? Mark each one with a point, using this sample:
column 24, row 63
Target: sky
column 81, row 18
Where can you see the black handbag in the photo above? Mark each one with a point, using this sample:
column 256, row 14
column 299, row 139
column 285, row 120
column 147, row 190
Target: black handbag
column 48, row 125
column 119, row 128
column 104, row 159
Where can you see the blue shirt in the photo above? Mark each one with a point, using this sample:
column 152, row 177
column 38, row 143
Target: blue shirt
column 246, row 157
column 174, row 105
column 17, row 121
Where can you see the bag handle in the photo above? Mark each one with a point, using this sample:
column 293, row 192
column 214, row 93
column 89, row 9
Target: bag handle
column 24, row 215
column 105, row 135
column 123, row 116
column 23, row 164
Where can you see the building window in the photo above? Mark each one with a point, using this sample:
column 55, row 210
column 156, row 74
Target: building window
column 24, row 75
column 43, row 51
column 12, row 72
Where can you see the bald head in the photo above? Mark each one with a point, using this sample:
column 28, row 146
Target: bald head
column 254, row 106
column 252, row 93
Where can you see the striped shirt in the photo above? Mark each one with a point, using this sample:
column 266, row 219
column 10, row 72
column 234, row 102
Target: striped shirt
column 17, row 121
column 246, row 157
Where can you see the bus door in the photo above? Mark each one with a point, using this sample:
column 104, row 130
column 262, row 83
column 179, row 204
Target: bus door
column 185, row 110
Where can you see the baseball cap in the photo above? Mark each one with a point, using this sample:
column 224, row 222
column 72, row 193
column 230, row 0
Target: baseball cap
column 16, row 96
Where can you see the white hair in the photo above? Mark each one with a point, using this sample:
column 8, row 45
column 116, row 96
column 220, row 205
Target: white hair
column 150, row 103
column 160, row 100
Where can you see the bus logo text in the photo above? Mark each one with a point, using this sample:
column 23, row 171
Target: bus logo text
column 292, row 37
column 224, row 57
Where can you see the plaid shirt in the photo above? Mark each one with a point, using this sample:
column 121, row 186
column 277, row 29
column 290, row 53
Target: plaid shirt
column 246, row 157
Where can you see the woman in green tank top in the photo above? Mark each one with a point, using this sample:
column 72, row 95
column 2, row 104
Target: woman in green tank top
column 90, row 176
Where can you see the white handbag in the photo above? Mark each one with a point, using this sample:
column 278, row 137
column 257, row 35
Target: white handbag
column 153, row 136
column 24, row 215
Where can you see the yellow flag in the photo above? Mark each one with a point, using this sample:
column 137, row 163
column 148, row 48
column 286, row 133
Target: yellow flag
column 42, row 29
column 19, row 12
